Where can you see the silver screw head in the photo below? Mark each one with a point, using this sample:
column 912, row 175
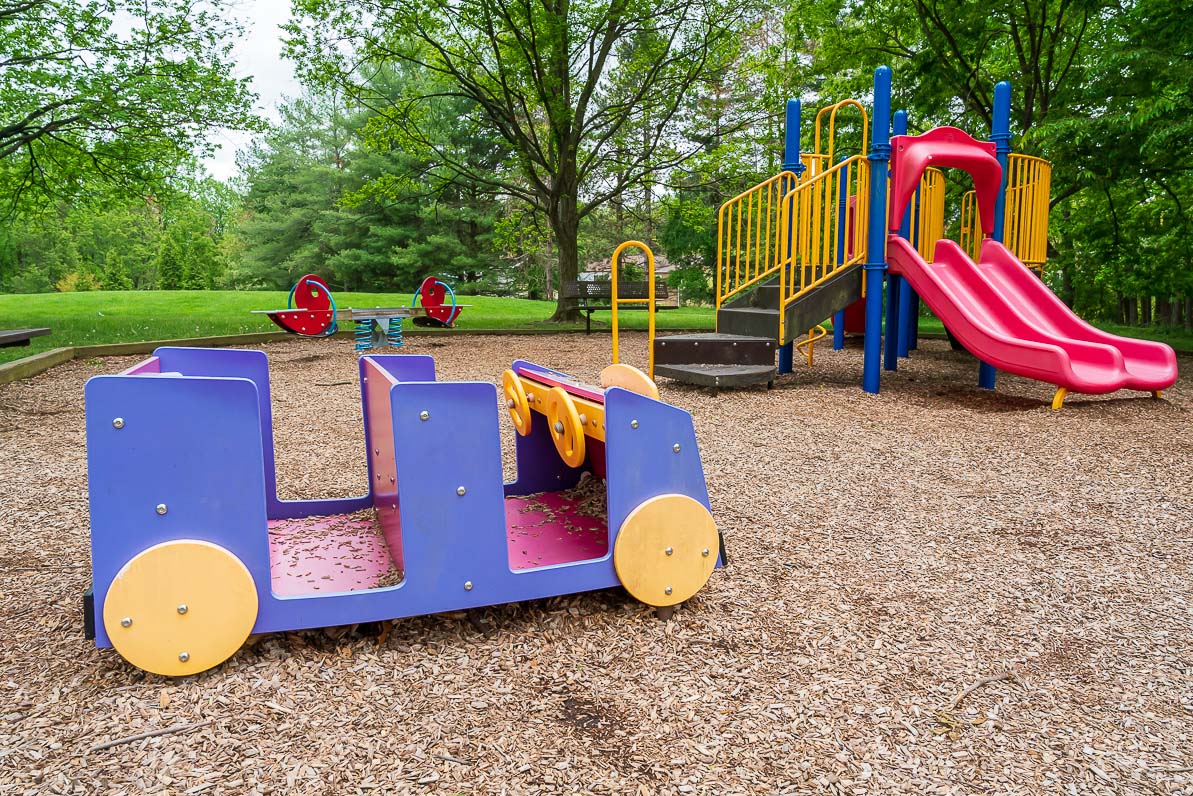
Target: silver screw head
column 161, row 508
column 558, row 427
column 424, row 415
column 118, row 423
column 182, row 609
column 669, row 551
column 704, row 552
column 510, row 403
column 667, row 590
column 126, row 621
column 633, row 424
column 467, row 585
column 184, row 656
column 675, row 447
column 461, row 491
column 583, row 419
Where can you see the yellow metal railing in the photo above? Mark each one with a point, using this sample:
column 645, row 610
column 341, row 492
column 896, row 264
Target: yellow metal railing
column 1029, row 187
column 831, row 112
column 927, row 213
column 1025, row 227
column 827, row 216
column 748, row 239
column 648, row 301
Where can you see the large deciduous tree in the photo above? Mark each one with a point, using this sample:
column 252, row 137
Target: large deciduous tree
column 114, row 91
column 560, row 80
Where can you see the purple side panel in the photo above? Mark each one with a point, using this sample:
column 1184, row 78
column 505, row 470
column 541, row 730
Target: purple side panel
column 451, row 538
column 254, row 365
column 151, row 365
column 642, row 461
column 193, row 444
column 376, row 384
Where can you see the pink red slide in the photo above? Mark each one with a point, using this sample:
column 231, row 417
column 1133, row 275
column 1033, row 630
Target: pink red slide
column 1003, row 314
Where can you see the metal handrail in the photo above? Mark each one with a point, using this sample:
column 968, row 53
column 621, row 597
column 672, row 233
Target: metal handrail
column 827, row 216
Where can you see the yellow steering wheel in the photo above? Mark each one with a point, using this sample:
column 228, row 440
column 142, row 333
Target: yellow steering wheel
column 516, row 402
column 566, row 428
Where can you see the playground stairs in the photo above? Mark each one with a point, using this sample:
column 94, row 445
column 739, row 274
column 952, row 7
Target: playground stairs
column 742, row 351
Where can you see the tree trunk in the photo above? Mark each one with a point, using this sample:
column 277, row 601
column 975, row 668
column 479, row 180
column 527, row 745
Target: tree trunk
column 1068, row 293
column 565, row 223
column 1163, row 312
column 1188, row 302
column 1145, row 311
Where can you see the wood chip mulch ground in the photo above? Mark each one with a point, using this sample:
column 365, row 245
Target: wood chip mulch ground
column 936, row 590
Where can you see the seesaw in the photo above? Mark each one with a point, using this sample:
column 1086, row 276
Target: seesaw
column 193, row 550
column 311, row 312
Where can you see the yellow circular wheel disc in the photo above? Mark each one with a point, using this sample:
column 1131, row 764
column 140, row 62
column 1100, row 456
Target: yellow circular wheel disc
column 667, row 522
column 516, row 402
column 566, row 428
column 180, row 607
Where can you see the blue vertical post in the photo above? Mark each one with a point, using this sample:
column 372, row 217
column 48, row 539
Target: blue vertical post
column 791, row 163
column 894, row 284
column 875, row 266
column 842, row 215
column 1000, row 133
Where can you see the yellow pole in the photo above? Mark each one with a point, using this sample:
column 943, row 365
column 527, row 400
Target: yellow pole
column 650, row 307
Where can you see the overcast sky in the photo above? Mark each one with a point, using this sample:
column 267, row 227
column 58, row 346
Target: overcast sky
column 258, row 56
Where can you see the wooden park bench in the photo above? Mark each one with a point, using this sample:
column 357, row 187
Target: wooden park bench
column 593, row 296
column 15, row 337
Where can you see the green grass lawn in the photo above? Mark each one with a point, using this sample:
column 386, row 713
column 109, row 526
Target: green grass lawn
column 119, row 317
column 127, row 316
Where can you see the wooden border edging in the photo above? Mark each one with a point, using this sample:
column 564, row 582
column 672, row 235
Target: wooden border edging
column 39, row 363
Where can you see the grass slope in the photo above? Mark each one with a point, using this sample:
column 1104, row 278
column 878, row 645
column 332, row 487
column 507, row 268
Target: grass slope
column 127, row 316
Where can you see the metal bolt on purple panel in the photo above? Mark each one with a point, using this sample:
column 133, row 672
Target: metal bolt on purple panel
column 467, row 585
column 161, row 508
column 633, row 424
column 675, row 447
column 118, row 422
column 424, row 415
column 460, row 491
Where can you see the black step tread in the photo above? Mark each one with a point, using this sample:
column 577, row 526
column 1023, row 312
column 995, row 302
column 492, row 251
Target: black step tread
column 718, row 375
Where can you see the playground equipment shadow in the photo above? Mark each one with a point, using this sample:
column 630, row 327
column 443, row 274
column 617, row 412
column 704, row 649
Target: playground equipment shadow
column 887, row 553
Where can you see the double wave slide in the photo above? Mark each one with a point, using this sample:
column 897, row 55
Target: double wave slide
column 1004, row 315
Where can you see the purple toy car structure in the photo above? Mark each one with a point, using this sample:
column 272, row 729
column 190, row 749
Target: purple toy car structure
column 192, row 550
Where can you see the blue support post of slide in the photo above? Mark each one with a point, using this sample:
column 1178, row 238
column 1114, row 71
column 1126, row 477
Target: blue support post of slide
column 791, row 162
column 894, row 283
column 875, row 266
column 1000, row 133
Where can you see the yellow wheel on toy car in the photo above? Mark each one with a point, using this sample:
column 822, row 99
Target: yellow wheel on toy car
column 566, row 428
column 666, row 549
column 516, row 402
column 180, row 607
